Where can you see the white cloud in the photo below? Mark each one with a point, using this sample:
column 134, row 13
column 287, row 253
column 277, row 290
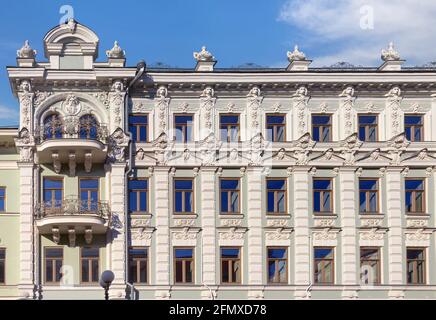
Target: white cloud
column 410, row 24
column 8, row 113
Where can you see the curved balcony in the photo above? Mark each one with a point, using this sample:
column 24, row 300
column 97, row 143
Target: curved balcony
column 73, row 216
column 71, row 140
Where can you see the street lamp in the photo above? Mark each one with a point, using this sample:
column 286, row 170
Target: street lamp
column 106, row 279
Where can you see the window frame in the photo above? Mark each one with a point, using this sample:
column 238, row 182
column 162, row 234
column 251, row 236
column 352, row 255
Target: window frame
column 367, row 193
column 238, row 125
column 4, row 267
column 147, row 200
column 285, row 191
column 333, row 266
column 89, row 283
column 276, row 274
column 88, row 189
column 4, row 199
column 323, row 191
column 138, row 125
column 274, row 132
column 379, row 262
column 424, row 271
column 184, row 266
column 412, row 132
column 53, row 208
column 53, row 264
column 229, row 191
column 147, row 264
column 424, row 198
column 53, row 128
column 367, row 126
column 231, row 262
column 330, row 126
column 191, row 125
column 183, row 197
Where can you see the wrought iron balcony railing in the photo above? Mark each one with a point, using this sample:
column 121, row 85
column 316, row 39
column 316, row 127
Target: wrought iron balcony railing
column 73, row 207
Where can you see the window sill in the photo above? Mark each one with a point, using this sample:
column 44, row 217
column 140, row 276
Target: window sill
column 278, row 215
column 325, row 215
column 185, row 215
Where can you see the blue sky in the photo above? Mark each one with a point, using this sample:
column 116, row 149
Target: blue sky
column 235, row 31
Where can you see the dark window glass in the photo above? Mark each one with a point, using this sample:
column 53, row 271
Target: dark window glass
column 321, row 128
column 276, row 128
column 88, row 194
column 53, row 194
column 414, row 127
column 229, row 195
column 53, row 264
column 277, row 265
column 415, row 195
column 2, row 199
column 184, row 265
column 230, row 265
column 90, row 265
column 183, row 128
column 2, row 266
column 52, row 127
column 138, row 265
column 368, row 128
column 322, row 195
column 229, row 128
column 370, row 266
column 324, row 266
column 138, row 127
column 138, row 191
column 415, row 266
column 184, row 196
column 368, row 195
column 88, row 127
column 276, row 196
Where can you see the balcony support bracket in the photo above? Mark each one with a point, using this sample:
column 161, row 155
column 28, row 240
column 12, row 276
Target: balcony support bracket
column 72, row 237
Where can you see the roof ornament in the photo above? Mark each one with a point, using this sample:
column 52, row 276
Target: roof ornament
column 390, row 54
column 71, row 23
column 203, row 55
column 116, row 52
column 296, row 55
column 26, row 52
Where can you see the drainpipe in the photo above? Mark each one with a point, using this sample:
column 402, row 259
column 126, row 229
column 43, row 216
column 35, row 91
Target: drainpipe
column 140, row 69
column 309, row 287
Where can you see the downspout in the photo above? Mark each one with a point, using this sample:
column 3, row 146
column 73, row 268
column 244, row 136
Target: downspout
column 140, row 69
column 309, row 287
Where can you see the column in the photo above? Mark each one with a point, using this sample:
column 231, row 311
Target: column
column 348, row 212
column 162, row 210
column 117, row 206
column 395, row 239
column 26, row 283
column 208, row 225
column 254, row 223
column 301, row 230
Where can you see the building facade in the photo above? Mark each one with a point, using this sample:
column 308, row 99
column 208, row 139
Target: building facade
column 212, row 183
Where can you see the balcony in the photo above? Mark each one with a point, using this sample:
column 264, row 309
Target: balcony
column 72, row 217
column 71, row 142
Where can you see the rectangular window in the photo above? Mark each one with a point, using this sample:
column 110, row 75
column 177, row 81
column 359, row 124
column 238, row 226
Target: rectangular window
column 368, row 196
column 324, row 265
column 184, row 265
column 276, row 196
column 53, row 194
column 138, row 127
column 2, row 199
column 415, row 195
column 322, row 128
column 88, row 194
column 414, row 127
column 53, row 258
column 184, row 196
column 229, row 189
column 229, row 128
column 230, row 265
column 2, row 266
column 277, row 264
column 183, row 128
column 138, row 195
column 322, row 195
column 276, row 127
column 368, row 128
column 89, row 260
column 415, row 266
column 138, row 265
column 370, row 266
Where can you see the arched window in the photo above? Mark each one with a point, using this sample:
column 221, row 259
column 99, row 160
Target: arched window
column 53, row 127
column 88, row 127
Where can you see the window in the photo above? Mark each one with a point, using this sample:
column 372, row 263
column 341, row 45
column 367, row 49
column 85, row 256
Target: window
column 230, row 265
column 2, row 266
column 88, row 194
column 370, row 266
column 88, row 127
column 276, row 128
column 368, row 195
column 368, row 128
column 138, row 195
column 52, row 127
column 183, row 127
column 138, row 127
column 322, row 195
column 53, row 264
column 2, row 199
column 321, row 128
column 229, row 127
column 415, row 195
column 53, row 194
column 415, row 266
column 414, row 127
column 184, row 195
column 184, row 265
column 138, row 265
column 277, row 265
column 90, row 265
column 229, row 195
column 276, row 195
column 324, row 265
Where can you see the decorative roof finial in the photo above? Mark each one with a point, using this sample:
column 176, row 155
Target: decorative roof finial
column 296, row 55
column 26, row 51
column 203, row 55
column 116, row 52
column 71, row 23
column 390, row 54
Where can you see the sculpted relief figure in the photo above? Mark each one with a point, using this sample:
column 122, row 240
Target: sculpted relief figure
column 203, row 55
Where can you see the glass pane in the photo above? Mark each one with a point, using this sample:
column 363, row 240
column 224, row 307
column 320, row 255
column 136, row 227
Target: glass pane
column 225, row 271
column 315, row 134
column 95, row 273
column 322, row 184
column 188, row 134
column 224, row 201
column 323, row 253
column 414, row 184
column 179, row 271
column 53, row 253
column 189, row 268
column 89, row 183
column 2, row 271
column 408, row 131
column 270, row 202
column 276, row 184
column 48, row 271
column 2, row 204
column 317, row 201
column 179, row 134
column 418, row 136
column 183, row 184
column 372, row 134
column 362, row 135
column 281, row 201
column 282, row 271
column 138, row 252
column 2, row 192
column 183, row 253
column 414, row 254
column 138, row 119
column 230, row 184
column 408, row 201
column 138, row 184
column 90, row 252
column 132, row 130
column 269, row 134
column 132, row 201
column 362, row 202
column 321, row 119
column 229, row 253
column 53, row 184
column 188, row 202
column 277, row 253
column 326, row 202
column 143, row 272
column 325, row 134
column 413, row 120
column 280, row 134
column 233, row 119
column 58, row 270
column 85, row 271
column 236, row 271
column 142, row 134
column 367, row 119
column 373, row 202
column 179, row 202
column 271, row 271
column 275, row 119
column 143, row 201
column 368, row 184
column 183, row 119
column 235, row 202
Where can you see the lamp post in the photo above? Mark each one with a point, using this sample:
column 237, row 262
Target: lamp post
column 106, row 279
